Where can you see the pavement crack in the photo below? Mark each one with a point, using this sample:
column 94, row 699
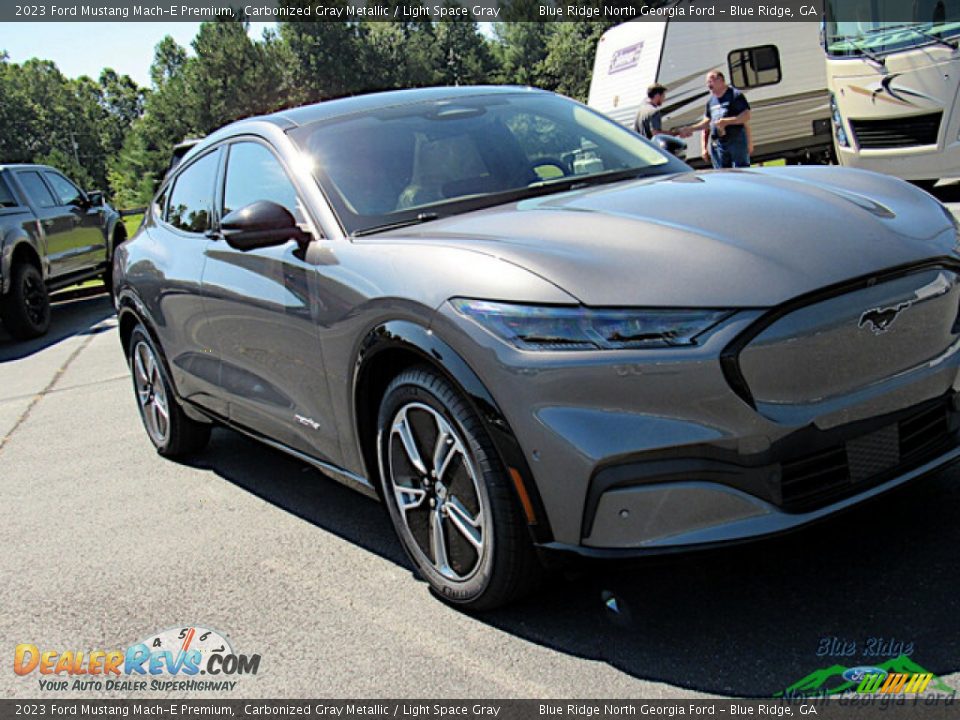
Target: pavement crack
column 78, row 386
column 49, row 387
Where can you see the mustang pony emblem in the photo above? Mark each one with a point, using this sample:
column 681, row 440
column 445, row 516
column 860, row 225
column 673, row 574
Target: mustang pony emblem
column 880, row 319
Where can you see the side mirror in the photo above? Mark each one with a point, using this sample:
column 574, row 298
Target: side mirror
column 95, row 198
column 260, row 224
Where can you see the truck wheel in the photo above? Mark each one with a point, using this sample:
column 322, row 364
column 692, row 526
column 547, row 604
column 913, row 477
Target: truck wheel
column 118, row 237
column 26, row 309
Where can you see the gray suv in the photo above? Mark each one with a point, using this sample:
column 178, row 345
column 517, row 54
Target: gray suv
column 534, row 334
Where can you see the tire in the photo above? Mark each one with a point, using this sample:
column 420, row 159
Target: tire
column 172, row 433
column 461, row 524
column 107, row 276
column 26, row 309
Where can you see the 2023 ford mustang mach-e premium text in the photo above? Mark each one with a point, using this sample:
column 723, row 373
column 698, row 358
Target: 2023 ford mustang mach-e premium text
column 528, row 330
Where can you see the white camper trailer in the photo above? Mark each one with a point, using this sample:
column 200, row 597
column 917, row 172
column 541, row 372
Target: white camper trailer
column 893, row 69
column 778, row 66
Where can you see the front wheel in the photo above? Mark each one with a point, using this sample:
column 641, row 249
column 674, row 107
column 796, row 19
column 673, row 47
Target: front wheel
column 448, row 496
column 26, row 309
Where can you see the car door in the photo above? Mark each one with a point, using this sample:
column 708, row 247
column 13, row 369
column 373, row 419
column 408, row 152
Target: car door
column 170, row 281
column 90, row 236
column 59, row 223
column 260, row 302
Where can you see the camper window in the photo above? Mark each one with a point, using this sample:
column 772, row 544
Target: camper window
column 754, row 67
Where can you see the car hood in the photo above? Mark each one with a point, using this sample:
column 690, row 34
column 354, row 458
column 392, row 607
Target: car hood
column 735, row 238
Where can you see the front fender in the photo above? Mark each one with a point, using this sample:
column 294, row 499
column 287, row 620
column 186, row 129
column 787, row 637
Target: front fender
column 419, row 340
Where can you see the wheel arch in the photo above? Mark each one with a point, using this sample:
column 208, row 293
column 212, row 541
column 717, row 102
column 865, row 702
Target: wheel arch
column 116, row 234
column 394, row 346
column 18, row 249
column 130, row 313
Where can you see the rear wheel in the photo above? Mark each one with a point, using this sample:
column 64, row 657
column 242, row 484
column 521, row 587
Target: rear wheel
column 448, row 496
column 168, row 427
column 26, row 309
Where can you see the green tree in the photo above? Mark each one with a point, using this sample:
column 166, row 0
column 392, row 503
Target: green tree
column 168, row 60
column 568, row 65
column 143, row 159
column 520, row 50
column 122, row 102
column 463, row 54
column 231, row 77
column 327, row 58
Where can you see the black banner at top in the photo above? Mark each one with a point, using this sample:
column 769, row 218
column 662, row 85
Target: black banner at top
column 461, row 10
column 935, row 12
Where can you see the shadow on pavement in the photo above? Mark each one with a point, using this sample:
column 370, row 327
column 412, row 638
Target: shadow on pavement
column 75, row 313
column 743, row 621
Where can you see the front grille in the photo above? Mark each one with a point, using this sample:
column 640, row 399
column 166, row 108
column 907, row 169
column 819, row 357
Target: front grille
column 827, row 475
column 897, row 132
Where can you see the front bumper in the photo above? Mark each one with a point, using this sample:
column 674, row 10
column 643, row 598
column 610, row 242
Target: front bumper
column 925, row 162
column 701, row 524
column 637, row 452
column 637, row 506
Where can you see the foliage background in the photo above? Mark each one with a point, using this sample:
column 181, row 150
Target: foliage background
column 111, row 134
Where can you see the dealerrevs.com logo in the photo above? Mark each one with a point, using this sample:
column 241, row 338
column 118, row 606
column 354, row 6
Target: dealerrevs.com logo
column 170, row 660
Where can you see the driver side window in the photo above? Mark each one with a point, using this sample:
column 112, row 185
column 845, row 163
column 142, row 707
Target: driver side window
column 254, row 173
column 67, row 193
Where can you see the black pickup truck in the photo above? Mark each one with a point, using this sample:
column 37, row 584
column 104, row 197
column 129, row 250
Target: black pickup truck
column 52, row 234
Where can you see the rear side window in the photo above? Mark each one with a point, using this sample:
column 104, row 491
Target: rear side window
column 254, row 173
column 66, row 191
column 755, row 67
column 191, row 199
column 36, row 189
column 6, row 197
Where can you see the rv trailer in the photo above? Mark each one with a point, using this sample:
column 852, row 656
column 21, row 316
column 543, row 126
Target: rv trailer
column 893, row 70
column 778, row 66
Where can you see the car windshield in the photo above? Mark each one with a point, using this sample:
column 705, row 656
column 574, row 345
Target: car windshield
column 415, row 162
column 872, row 28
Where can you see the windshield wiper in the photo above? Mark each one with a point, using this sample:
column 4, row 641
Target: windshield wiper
column 573, row 182
column 952, row 44
column 869, row 54
column 420, row 218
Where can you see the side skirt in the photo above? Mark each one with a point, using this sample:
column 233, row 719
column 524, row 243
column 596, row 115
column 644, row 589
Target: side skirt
column 345, row 477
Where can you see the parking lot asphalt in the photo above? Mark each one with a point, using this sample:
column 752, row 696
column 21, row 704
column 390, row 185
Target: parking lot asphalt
column 105, row 543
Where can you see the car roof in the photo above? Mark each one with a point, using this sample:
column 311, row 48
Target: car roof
column 22, row 166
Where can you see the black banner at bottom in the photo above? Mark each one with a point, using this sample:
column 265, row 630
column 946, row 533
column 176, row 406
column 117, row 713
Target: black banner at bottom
column 820, row 708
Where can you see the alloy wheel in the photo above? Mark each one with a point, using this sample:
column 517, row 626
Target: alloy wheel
column 437, row 492
column 151, row 394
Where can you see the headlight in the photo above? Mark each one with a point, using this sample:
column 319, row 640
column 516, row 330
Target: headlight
column 838, row 129
column 530, row 327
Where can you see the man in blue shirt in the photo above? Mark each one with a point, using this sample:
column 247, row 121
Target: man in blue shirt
column 726, row 116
